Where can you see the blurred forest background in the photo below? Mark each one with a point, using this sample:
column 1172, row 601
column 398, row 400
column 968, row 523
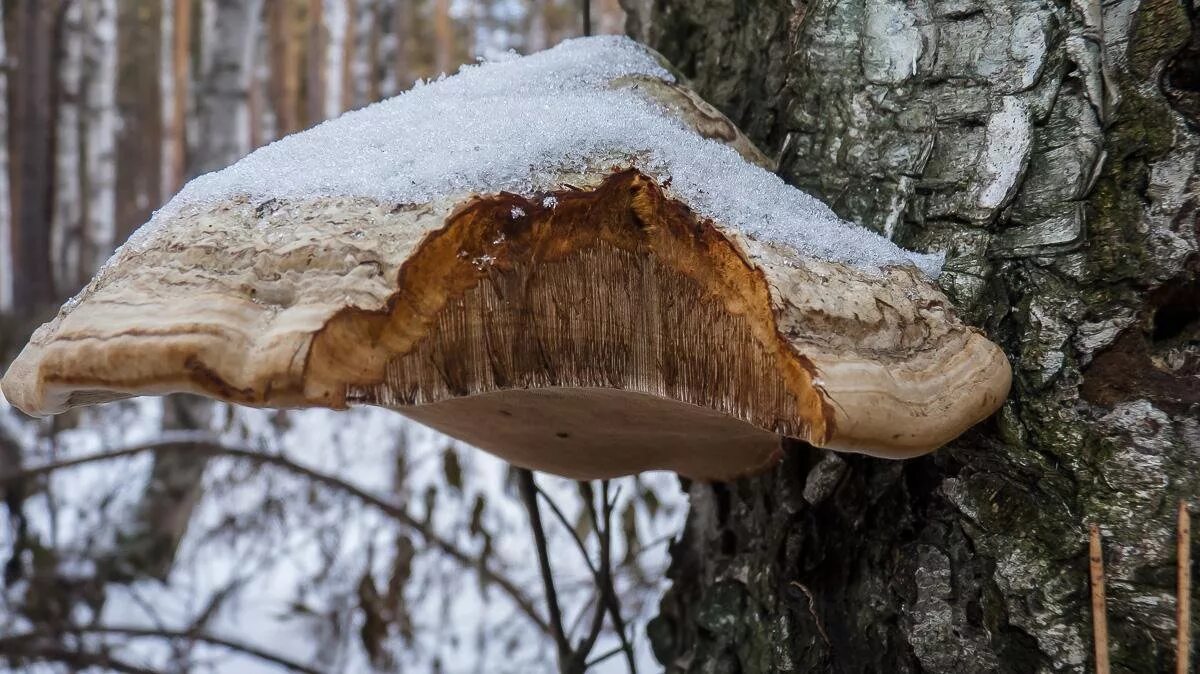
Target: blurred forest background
column 178, row 535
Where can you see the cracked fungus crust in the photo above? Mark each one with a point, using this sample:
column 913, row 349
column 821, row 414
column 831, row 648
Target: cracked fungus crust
column 599, row 330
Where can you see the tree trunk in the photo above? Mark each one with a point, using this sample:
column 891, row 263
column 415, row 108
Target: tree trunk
column 6, row 252
column 100, row 140
column 316, row 42
column 443, row 37
column 67, row 220
column 176, row 81
column 223, row 122
column 1052, row 151
column 31, row 144
column 140, row 103
column 335, row 13
column 223, row 113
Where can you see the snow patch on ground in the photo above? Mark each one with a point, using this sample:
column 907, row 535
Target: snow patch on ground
column 512, row 125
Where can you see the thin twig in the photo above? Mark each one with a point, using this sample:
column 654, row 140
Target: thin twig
column 206, row 443
column 528, row 488
column 607, row 591
column 1099, row 605
column 562, row 518
column 1183, row 599
column 604, row 656
column 150, row 632
column 81, row 660
column 602, row 578
column 587, row 18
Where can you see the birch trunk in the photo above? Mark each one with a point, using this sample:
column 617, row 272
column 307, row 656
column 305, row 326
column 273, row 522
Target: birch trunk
column 362, row 74
column 389, row 45
column 100, row 129
column 68, row 223
column 336, row 15
column 536, row 31
column 223, row 118
column 223, row 124
column 1052, row 151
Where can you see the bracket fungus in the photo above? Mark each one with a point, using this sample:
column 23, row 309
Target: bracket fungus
column 567, row 259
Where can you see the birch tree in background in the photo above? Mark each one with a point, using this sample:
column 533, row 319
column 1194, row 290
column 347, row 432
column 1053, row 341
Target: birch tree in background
column 67, row 223
column 100, row 125
column 83, row 224
column 336, row 19
column 223, row 91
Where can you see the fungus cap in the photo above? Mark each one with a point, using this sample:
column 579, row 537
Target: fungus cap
column 567, row 259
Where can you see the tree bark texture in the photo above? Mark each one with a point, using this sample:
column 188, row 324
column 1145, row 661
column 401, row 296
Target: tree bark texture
column 1052, row 150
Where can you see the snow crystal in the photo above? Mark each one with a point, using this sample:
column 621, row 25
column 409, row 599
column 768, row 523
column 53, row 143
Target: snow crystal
column 510, row 125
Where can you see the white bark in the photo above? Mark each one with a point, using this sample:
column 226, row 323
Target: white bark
column 360, row 70
column 336, row 18
column 389, row 42
column 67, row 220
column 222, row 99
column 538, row 35
column 6, row 257
column 100, row 127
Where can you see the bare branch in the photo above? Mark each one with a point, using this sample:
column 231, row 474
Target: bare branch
column 151, row 632
column 207, row 443
column 47, row 652
column 528, row 489
column 562, row 518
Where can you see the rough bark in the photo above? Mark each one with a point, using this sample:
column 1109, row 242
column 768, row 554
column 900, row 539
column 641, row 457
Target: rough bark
column 1052, row 151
